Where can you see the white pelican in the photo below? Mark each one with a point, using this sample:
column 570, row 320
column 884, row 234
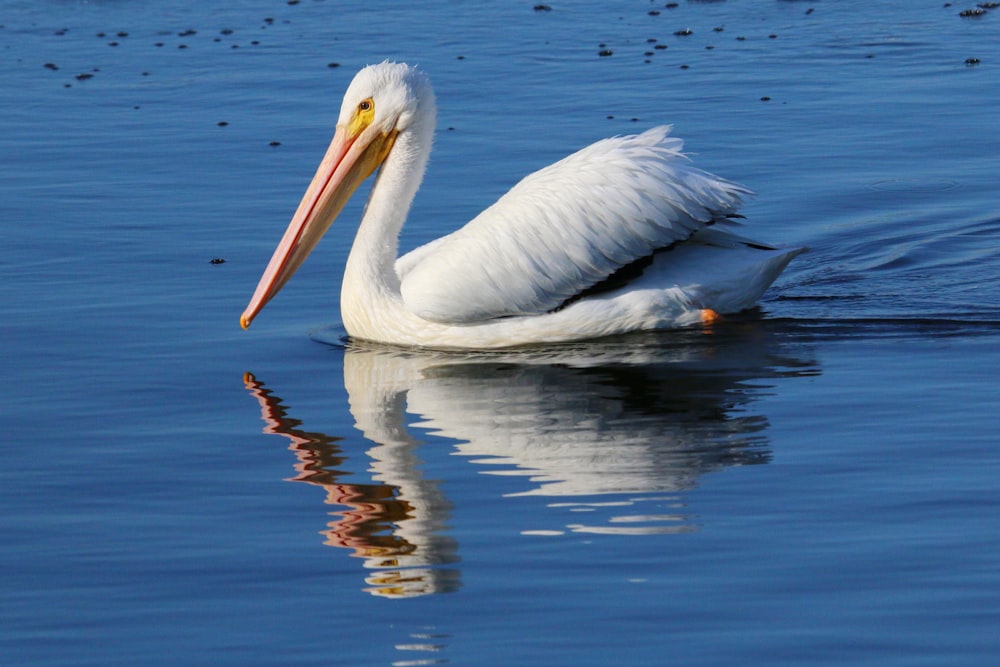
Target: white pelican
column 576, row 250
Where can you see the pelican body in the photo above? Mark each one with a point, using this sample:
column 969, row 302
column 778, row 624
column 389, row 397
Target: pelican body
column 623, row 235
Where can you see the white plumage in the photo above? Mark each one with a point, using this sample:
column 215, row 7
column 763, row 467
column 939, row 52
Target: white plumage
column 525, row 269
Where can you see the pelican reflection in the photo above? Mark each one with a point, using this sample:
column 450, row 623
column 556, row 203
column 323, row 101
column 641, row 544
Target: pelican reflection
column 398, row 529
column 618, row 429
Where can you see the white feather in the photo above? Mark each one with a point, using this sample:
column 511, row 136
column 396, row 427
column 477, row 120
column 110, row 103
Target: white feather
column 565, row 228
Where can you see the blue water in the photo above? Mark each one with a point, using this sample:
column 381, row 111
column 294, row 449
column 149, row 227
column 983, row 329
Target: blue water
column 812, row 483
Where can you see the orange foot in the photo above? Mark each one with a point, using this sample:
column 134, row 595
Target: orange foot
column 709, row 316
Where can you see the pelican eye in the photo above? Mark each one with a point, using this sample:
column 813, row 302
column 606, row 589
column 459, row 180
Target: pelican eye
column 364, row 115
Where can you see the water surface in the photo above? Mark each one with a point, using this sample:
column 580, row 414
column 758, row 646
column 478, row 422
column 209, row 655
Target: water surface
column 811, row 483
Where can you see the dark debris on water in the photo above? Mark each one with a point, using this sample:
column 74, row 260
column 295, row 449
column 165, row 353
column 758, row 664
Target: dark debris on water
column 649, row 51
column 183, row 40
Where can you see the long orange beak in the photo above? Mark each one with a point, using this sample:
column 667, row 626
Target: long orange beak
column 351, row 158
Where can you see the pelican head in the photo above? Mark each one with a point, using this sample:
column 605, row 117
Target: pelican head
column 383, row 103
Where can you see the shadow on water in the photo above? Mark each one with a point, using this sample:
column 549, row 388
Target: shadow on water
column 629, row 423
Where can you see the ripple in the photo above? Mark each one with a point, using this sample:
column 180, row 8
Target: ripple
column 914, row 185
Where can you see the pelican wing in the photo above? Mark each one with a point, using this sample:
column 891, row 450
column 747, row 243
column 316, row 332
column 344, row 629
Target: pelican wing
column 565, row 228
